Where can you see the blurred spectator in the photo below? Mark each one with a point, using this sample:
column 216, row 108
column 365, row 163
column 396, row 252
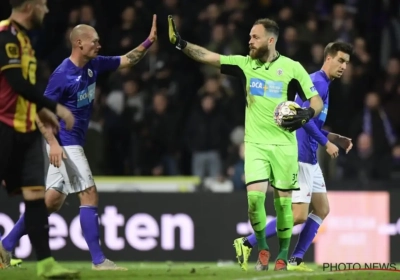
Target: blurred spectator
column 375, row 139
column 317, row 58
column 236, row 172
column 292, row 47
column 206, row 136
column 62, row 51
column 127, row 35
column 159, row 142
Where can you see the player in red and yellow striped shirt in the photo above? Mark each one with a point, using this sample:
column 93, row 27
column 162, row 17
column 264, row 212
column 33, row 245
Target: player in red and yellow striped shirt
column 21, row 150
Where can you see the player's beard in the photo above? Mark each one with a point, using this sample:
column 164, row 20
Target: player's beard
column 37, row 22
column 260, row 53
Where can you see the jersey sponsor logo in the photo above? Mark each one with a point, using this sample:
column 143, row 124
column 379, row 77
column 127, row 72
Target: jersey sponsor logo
column 86, row 96
column 90, row 73
column 312, row 89
column 257, row 87
column 272, row 89
column 12, row 50
column 324, row 113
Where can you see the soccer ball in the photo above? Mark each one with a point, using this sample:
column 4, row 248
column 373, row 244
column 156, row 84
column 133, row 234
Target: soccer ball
column 283, row 109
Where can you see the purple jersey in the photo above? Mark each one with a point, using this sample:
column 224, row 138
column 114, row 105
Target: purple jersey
column 75, row 88
column 311, row 134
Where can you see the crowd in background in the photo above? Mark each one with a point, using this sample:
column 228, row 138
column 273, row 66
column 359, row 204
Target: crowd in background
column 169, row 115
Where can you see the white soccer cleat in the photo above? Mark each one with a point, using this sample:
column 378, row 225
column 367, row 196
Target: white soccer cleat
column 108, row 265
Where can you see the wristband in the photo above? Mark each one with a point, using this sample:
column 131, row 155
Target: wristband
column 147, row 44
column 181, row 44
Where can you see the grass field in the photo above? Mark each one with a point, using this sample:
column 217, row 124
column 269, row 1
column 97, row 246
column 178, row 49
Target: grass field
column 206, row 271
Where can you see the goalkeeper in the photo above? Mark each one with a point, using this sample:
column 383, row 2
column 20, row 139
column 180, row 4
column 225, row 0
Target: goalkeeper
column 268, row 79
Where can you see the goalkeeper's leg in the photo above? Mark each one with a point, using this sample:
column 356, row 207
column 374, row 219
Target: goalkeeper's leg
column 284, row 166
column 284, row 225
column 257, row 170
column 258, row 221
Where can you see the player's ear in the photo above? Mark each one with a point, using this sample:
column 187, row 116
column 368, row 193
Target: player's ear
column 28, row 7
column 271, row 40
column 80, row 44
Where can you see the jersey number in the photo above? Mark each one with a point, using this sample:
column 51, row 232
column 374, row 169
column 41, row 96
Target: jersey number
column 294, row 179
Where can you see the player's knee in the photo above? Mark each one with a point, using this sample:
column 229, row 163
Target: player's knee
column 255, row 200
column 256, row 209
column 33, row 193
column 322, row 212
column 89, row 196
column 52, row 205
column 54, row 200
column 300, row 214
column 299, row 218
column 278, row 193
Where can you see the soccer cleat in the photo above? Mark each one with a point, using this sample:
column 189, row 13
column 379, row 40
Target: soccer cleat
column 15, row 262
column 5, row 257
column 263, row 260
column 280, row 265
column 298, row 267
column 107, row 265
column 242, row 253
column 50, row 269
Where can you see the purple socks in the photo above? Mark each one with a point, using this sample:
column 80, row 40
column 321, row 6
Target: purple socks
column 91, row 232
column 307, row 235
column 90, row 229
column 11, row 240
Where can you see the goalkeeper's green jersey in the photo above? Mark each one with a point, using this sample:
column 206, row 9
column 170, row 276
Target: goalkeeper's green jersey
column 266, row 85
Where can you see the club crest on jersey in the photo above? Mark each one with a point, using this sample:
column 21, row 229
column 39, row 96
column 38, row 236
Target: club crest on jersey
column 13, row 30
column 90, row 73
column 279, row 72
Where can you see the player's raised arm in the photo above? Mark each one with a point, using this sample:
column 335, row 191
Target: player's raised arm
column 193, row 51
column 135, row 55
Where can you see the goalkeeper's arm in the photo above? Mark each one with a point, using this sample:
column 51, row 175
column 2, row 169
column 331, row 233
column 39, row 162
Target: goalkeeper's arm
column 202, row 55
column 316, row 104
column 193, row 51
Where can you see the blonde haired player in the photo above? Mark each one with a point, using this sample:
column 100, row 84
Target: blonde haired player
column 73, row 84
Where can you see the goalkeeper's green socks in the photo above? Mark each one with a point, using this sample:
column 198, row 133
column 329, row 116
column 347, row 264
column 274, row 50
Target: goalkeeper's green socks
column 258, row 217
column 284, row 225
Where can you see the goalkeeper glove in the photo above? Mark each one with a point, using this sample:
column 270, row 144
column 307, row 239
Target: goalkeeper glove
column 174, row 36
column 294, row 122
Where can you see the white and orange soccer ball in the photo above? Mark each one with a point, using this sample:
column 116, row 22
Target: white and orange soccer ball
column 283, row 109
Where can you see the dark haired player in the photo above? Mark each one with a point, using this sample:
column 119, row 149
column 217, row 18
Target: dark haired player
column 21, row 104
column 268, row 79
column 311, row 180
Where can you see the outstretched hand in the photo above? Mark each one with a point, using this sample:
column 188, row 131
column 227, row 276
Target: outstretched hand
column 153, row 31
column 174, row 36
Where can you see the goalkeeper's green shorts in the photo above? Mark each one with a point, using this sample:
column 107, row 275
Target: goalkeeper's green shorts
column 274, row 163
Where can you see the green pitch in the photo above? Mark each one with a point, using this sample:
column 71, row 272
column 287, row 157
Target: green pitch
column 204, row 271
